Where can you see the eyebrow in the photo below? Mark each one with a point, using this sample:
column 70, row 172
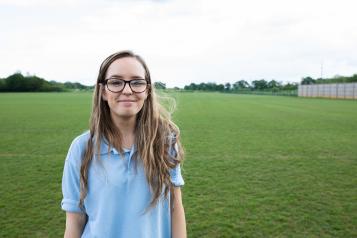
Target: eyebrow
column 120, row 76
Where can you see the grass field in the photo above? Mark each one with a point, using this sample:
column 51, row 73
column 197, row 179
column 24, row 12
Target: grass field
column 256, row 166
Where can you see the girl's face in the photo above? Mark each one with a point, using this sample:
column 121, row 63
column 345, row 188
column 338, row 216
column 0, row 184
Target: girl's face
column 124, row 104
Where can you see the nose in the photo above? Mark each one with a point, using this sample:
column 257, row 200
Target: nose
column 127, row 89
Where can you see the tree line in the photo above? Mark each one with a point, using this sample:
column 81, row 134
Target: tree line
column 20, row 83
column 336, row 79
column 264, row 85
column 243, row 85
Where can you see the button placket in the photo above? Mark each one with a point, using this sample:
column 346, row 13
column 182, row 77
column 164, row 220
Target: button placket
column 130, row 155
column 127, row 155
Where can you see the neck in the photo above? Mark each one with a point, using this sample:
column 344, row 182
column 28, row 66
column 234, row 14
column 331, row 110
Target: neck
column 126, row 127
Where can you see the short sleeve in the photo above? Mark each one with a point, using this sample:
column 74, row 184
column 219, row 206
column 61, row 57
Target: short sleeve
column 176, row 176
column 175, row 173
column 70, row 179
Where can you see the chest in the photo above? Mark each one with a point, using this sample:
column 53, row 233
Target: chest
column 114, row 183
column 114, row 170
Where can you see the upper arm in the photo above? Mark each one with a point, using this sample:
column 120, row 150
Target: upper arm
column 71, row 179
column 76, row 217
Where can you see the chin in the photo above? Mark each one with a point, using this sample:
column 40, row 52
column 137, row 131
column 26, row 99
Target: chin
column 127, row 114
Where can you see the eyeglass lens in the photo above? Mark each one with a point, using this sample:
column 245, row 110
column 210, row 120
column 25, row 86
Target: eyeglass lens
column 136, row 85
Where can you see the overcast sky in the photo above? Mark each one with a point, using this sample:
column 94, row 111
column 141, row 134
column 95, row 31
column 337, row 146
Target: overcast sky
column 182, row 41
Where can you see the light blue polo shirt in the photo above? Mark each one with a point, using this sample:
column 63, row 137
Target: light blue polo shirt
column 117, row 194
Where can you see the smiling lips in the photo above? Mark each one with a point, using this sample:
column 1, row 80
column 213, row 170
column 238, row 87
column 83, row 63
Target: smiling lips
column 126, row 101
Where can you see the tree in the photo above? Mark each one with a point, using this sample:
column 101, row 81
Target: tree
column 211, row 86
column 16, row 83
column 192, row 86
column 202, row 86
column 273, row 84
column 308, row 80
column 290, row 86
column 220, row 87
column 241, row 84
column 159, row 85
column 2, row 85
column 260, row 84
column 227, row 87
column 19, row 83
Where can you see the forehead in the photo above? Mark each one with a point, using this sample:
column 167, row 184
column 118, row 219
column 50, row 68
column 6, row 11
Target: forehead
column 126, row 67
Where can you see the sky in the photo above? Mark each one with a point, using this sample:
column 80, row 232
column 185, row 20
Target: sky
column 182, row 41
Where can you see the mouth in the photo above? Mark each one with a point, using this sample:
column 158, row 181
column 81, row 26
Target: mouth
column 126, row 101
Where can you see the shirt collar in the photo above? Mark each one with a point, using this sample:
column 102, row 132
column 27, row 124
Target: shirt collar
column 105, row 144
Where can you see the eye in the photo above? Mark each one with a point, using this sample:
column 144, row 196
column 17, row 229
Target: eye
column 116, row 82
column 138, row 82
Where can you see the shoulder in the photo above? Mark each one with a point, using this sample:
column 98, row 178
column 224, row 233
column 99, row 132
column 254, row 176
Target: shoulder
column 78, row 146
column 81, row 140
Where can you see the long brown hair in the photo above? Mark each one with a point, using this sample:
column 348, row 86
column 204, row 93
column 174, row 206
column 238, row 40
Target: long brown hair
column 153, row 131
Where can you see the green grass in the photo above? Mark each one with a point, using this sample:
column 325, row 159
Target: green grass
column 256, row 166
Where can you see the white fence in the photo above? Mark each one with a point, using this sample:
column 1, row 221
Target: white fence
column 336, row 90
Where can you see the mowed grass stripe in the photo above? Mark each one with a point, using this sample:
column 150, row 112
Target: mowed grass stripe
column 256, row 166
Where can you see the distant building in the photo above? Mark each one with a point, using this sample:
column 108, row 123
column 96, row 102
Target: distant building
column 334, row 90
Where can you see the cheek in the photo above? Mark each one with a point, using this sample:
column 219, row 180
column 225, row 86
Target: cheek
column 144, row 96
column 143, row 99
column 140, row 104
column 111, row 102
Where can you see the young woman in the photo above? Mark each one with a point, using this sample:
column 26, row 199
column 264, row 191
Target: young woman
column 122, row 178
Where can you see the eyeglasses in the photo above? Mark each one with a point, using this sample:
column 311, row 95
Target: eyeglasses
column 117, row 85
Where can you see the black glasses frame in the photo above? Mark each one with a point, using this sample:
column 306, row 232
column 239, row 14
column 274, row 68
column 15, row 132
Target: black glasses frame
column 105, row 82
